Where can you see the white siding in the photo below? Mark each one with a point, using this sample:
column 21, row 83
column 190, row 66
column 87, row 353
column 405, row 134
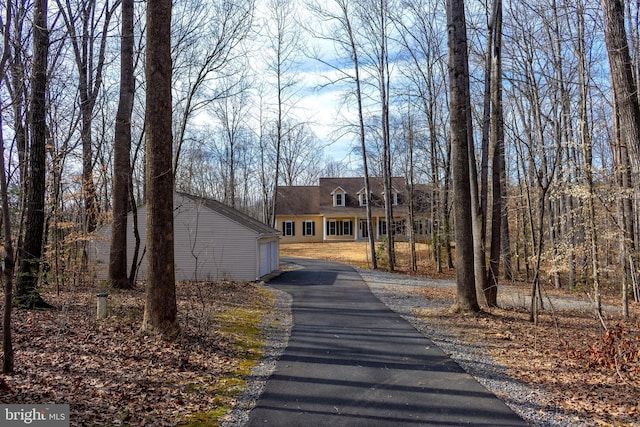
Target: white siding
column 208, row 246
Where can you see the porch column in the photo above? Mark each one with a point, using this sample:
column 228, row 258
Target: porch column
column 324, row 228
column 356, row 228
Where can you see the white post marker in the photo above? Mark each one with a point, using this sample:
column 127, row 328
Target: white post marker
column 102, row 305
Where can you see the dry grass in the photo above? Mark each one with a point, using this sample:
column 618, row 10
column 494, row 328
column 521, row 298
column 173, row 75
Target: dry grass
column 358, row 254
column 595, row 377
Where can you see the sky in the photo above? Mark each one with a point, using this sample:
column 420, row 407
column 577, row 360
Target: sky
column 318, row 103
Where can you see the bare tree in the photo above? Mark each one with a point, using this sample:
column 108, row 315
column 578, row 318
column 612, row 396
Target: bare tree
column 460, row 116
column 9, row 261
column 122, row 154
column 17, row 87
column 160, row 310
column 497, row 150
column 231, row 112
column 424, row 42
column 299, row 155
column 624, row 85
column 627, row 116
column 27, row 294
column 87, row 27
column 375, row 34
column 346, row 39
column 284, row 40
column 208, row 41
column 586, row 145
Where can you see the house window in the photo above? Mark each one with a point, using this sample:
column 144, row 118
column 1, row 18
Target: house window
column 382, row 227
column 308, row 228
column 332, row 228
column 399, row 227
column 417, row 226
column 288, row 228
column 394, row 198
column 338, row 199
column 339, row 228
column 363, row 199
column 364, row 230
column 346, row 228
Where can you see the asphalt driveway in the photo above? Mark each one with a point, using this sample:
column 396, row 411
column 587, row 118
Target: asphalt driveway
column 351, row 361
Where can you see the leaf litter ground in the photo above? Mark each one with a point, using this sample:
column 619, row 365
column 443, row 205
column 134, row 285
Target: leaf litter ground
column 110, row 374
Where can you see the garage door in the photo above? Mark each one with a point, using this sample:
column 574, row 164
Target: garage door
column 265, row 258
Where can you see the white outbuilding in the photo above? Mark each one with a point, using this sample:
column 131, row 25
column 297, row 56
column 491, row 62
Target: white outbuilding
column 212, row 241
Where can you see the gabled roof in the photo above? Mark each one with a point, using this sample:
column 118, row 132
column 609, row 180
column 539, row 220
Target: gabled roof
column 354, row 186
column 339, row 190
column 318, row 200
column 298, row 200
column 233, row 214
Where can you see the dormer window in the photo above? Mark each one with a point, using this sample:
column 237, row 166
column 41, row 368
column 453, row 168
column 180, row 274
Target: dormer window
column 394, row 197
column 362, row 197
column 339, row 197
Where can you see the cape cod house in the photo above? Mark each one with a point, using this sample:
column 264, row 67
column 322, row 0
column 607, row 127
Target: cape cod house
column 335, row 210
column 212, row 241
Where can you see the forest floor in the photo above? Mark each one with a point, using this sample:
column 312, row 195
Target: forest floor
column 110, row 374
column 589, row 372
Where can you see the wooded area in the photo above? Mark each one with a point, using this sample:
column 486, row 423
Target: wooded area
column 523, row 117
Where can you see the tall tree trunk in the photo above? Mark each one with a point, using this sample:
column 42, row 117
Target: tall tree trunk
column 497, row 164
column 160, row 310
column 121, row 155
column 625, row 213
column 384, row 85
column 624, row 85
column 587, row 154
column 505, row 240
column 411, row 198
column 479, row 192
column 27, row 294
column 361, row 129
column 9, row 261
column 466, row 299
column 19, row 78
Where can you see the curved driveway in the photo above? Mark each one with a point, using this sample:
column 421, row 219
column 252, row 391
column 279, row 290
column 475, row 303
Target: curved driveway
column 351, row 361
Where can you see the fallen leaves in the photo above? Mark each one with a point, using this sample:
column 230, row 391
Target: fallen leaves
column 111, row 374
column 567, row 355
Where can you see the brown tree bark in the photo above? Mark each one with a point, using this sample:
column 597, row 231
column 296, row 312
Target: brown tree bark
column 497, row 164
column 466, row 299
column 622, row 74
column 160, row 311
column 121, row 155
column 9, row 262
column 27, row 294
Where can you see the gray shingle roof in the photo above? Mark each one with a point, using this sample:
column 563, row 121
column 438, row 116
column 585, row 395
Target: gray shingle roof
column 298, row 200
column 318, row 200
column 233, row 214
